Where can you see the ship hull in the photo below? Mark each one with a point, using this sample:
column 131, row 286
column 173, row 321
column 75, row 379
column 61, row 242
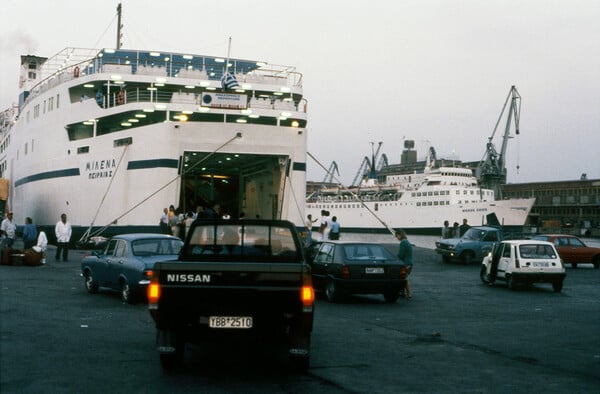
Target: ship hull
column 379, row 217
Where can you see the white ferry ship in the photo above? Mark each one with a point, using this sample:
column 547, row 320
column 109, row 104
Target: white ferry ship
column 113, row 136
column 418, row 201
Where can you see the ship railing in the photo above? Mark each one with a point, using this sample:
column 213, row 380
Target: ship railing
column 56, row 72
column 139, row 95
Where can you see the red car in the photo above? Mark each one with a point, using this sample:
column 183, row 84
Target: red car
column 572, row 250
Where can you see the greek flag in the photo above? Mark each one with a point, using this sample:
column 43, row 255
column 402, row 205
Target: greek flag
column 228, row 81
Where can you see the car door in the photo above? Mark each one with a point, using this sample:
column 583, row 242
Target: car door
column 577, row 251
column 321, row 263
column 487, row 244
column 115, row 263
column 564, row 250
column 504, row 264
column 101, row 269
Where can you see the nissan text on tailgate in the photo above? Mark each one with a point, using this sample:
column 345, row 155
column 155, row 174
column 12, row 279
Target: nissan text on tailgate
column 234, row 278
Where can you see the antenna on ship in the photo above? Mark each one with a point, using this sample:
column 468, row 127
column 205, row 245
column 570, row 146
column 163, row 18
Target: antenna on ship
column 119, row 27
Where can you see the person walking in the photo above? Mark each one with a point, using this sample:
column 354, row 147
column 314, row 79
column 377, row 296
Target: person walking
column 405, row 253
column 8, row 229
column 30, row 234
column 63, row 233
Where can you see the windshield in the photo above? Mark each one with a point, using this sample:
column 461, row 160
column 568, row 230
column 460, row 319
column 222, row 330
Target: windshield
column 536, row 251
column 156, row 246
column 235, row 240
column 475, row 234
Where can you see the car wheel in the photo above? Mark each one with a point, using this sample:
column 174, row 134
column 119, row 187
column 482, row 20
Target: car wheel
column 391, row 296
column 596, row 262
column 485, row 277
column 90, row 283
column 331, row 291
column 557, row 286
column 467, row 257
column 510, row 282
column 445, row 259
column 574, row 265
column 126, row 292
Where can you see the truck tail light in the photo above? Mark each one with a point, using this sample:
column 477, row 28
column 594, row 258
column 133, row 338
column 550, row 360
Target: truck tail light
column 346, row 272
column 307, row 292
column 153, row 292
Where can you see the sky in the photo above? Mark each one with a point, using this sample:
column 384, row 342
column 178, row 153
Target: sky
column 433, row 71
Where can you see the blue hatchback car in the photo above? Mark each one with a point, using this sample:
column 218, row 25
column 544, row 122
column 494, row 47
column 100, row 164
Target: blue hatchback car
column 126, row 263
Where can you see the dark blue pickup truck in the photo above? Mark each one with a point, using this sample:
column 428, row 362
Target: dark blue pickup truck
column 234, row 278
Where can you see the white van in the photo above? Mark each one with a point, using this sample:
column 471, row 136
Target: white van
column 523, row 262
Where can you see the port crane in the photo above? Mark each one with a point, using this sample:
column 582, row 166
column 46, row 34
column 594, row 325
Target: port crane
column 368, row 167
column 333, row 168
column 491, row 170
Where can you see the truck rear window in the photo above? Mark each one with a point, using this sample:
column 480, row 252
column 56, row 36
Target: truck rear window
column 235, row 240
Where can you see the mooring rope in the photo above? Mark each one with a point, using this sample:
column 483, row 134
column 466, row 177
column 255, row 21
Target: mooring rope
column 99, row 231
column 390, row 229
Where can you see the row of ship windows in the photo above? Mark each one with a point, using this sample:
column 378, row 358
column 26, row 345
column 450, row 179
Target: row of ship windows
column 418, row 204
column 47, row 105
column 447, row 193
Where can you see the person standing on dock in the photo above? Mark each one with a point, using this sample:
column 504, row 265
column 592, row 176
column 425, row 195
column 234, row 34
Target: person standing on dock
column 63, row 233
column 334, row 234
column 8, row 229
column 464, row 227
column 309, row 225
column 30, row 234
column 446, row 230
column 405, row 253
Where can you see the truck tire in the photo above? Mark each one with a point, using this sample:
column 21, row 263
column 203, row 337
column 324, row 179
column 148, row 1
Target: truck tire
column 299, row 364
column 173, row 361
column 596, row 262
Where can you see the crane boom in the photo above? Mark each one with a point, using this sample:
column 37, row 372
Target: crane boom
column 491, row 171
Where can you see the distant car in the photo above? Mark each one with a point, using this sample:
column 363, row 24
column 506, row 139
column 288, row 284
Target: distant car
column 523, row 262
column 572, row 250
column 341, row 268
column 126, row 263
column 472, row 246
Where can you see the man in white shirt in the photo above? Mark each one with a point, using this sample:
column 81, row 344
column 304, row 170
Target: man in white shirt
column 63, row 237
column 8, row 228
